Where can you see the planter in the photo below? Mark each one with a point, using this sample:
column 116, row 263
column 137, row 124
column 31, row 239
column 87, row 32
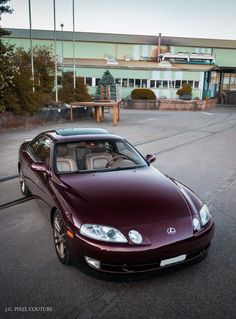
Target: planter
column 186, row 97
column 169, row 104
column 142, row 104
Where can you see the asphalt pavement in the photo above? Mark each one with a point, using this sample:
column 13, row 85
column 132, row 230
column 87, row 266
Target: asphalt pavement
column 197, row 148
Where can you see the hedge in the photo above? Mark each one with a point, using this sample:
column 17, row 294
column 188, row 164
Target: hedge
column 143, row 94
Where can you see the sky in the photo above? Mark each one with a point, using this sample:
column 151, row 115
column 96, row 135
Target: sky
column 213, row 19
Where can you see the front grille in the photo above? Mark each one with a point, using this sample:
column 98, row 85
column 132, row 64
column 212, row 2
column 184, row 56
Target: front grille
column 148, row 267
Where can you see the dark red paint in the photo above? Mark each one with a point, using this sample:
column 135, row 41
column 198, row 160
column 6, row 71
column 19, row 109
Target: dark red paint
column 141, row 199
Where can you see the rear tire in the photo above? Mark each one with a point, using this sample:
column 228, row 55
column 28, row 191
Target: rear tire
column 59, row 236
column 23, row 187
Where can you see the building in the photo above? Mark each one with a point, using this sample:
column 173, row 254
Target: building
column 133, row 61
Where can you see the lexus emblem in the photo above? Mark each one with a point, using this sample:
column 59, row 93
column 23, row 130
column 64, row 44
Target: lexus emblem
column 171, row 231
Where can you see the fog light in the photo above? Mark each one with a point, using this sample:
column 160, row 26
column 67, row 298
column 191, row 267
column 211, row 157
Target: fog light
column 93, row 262
column 135, row 237
column 196, row 224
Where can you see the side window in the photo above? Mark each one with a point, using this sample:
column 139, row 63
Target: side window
column 33, row 145
column 40, row 149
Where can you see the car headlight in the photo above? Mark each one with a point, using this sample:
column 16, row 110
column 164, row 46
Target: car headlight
column 204, row 215
column 103, row 233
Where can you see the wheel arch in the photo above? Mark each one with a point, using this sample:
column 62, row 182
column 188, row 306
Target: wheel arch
column 53, row 211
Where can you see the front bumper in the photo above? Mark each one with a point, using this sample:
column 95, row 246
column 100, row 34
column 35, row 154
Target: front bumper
column 126, row 259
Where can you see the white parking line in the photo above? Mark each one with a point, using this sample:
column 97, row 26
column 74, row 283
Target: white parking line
column 207, row 113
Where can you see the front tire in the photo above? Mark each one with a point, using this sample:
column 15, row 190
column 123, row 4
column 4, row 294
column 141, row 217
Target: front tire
column 59, row 236
column 23, row 187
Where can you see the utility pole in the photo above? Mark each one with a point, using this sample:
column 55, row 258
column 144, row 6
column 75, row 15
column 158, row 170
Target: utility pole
column 31, row 47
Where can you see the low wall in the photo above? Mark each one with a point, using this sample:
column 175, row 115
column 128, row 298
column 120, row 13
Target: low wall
column 9, row 120
column 170, row 104
column 142, row 104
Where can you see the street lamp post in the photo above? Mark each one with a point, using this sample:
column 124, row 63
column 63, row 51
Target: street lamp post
column 62, row 48
column 31, row 47
column 74, row 69
column 55, row 50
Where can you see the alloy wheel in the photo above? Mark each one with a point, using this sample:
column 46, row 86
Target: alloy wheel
column 59, row 237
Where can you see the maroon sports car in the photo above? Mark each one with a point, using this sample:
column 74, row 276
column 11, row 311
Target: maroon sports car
column 111, row 211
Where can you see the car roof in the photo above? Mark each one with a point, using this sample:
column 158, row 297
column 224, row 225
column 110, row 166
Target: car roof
column 80, row 131
column 75, row 134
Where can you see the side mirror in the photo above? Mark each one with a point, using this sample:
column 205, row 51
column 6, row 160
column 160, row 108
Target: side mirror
column 39, row 167
column 150, row 158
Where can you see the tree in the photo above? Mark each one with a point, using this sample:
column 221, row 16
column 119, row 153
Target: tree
column 24, row 96
column 7, row 68
column 67, row 94
column 107, row 80
column 4, row 9
column 7, row 73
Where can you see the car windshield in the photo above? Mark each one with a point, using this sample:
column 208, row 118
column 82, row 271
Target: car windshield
column 96, row 155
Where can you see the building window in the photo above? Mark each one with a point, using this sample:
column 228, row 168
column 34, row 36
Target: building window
column 165, row 84
column 196, row 84
column 190, row 83
column 89, row 81
column 131, row 83
column 152, row 83
column 144, row 83
column 177, row 84
column 124, row 82
column 137, row 83
column 118, row 81
column 97, row 81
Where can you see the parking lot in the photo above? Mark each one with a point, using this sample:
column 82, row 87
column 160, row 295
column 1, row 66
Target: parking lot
column 197, row 148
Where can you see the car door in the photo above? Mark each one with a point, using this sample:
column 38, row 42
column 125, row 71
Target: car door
column 41, row 152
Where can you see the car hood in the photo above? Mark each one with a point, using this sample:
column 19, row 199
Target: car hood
column 137, row 199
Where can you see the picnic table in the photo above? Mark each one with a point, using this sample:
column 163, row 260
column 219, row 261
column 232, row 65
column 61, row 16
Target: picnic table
column 99, row 105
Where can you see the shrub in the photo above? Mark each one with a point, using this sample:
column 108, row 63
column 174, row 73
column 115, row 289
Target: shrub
column 185, row 90
column 67, row 94
column 143, row 94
